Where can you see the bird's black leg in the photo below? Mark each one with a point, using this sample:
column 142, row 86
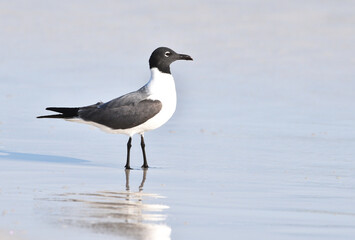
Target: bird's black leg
column 129, row 145
column 145, row 163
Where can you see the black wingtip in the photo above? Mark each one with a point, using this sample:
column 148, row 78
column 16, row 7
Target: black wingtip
column 52, row 116
column 55, row 109
column 65, row 112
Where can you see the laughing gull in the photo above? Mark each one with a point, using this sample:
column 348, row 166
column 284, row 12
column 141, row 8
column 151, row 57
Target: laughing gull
column 137, row 112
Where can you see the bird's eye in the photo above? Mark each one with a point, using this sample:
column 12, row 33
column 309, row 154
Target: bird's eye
column 167, row 54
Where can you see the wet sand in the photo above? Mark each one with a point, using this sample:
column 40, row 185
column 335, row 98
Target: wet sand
column 261, row 145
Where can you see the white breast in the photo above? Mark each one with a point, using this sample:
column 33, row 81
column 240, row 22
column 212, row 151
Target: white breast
column 161, row 87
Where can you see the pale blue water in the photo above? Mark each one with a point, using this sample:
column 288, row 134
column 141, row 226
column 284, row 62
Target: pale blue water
column 261, row 146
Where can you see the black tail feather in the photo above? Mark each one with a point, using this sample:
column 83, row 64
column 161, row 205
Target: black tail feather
column 65, row 112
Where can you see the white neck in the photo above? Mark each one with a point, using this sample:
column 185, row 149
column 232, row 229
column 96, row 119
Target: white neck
column 161, row 84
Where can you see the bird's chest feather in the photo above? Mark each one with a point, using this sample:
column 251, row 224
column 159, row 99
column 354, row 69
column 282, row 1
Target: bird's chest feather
column 162, row 87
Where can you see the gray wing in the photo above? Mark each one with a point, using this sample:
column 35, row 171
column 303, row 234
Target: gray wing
column 127, row 99
column 124, row 112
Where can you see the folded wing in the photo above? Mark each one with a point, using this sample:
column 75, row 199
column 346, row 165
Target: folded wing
column 121, row 117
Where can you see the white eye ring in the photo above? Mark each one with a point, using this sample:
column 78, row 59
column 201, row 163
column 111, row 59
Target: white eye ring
column 167, row 54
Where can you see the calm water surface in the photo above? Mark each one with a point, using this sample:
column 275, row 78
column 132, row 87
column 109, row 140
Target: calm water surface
column 261, row 146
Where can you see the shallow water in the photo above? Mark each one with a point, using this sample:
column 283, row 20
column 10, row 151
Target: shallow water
column 261, row 146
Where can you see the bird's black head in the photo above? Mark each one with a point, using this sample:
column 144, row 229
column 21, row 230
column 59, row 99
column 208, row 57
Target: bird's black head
column 162, row 57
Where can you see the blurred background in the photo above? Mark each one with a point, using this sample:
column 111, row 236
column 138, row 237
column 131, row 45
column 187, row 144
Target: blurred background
column 264, row 128
column 268, row 59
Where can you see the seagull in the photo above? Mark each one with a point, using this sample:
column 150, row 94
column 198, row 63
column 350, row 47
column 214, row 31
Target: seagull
column 137, row 112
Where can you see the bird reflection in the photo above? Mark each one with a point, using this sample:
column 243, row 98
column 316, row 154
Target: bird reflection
column 123, row 213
